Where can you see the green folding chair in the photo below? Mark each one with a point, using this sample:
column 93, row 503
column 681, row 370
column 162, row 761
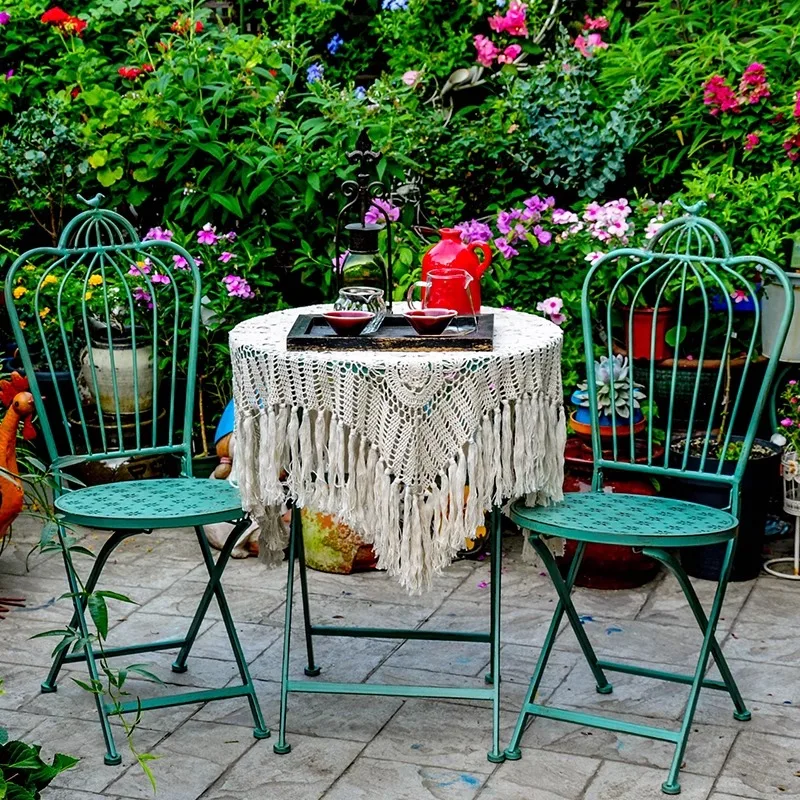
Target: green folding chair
column 688, row 266
column 102, row 322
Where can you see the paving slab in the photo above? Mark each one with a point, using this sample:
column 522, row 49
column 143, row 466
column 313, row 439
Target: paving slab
column 762, row 767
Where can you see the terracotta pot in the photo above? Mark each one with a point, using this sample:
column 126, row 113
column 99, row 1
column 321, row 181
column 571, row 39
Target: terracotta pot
column 643, row 321
column 605, row 566
column 584, row 429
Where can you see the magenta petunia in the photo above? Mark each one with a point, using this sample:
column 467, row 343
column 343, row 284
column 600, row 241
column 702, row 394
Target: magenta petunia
column 238, row 287
column 207, row 235
column 225, row 257
column 180, row 262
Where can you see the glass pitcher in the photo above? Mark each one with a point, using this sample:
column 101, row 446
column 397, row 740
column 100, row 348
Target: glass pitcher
column 446, row 287
column 363, row 298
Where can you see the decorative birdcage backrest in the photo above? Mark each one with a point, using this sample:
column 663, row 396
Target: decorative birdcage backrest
column 107, row 328
column 679, row 384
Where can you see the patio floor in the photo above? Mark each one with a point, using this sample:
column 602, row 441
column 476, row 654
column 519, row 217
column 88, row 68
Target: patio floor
column 347, row 748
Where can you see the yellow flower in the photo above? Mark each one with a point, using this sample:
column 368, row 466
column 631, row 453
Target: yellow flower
column 95, row 280
column 19, row 291
column 44, row 312
column 87, row 296
column 22, row 323
column 29, row 267
column 49, row 279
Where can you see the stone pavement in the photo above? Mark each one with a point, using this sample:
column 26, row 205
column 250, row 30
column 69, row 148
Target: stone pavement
column 354, row 748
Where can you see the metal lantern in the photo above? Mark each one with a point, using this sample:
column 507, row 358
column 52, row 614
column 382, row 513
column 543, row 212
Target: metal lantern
column 361, row 262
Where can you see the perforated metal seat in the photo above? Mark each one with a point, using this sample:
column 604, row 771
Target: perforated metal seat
column 142, row 505
column 628, row 519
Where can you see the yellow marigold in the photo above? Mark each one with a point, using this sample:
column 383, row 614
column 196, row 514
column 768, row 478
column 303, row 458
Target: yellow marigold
column 44, row 312
column 19, row 291
column 87, row 296
column 22, row 323
column 49, row 279
column 95, row 280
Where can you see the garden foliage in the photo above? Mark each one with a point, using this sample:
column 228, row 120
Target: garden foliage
column 558, row 130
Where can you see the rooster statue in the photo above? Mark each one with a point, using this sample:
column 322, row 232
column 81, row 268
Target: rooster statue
column 15, row 396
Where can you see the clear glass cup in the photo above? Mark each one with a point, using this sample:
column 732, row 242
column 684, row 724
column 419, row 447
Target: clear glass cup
column 363, row 298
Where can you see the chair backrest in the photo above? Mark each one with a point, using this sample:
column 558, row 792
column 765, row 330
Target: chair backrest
column 685, row 282
column 107, row 328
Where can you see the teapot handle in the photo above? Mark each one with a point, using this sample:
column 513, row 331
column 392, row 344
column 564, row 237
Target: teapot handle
column 486, row 251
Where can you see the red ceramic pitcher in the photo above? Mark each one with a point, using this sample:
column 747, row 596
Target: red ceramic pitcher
column 451, row 252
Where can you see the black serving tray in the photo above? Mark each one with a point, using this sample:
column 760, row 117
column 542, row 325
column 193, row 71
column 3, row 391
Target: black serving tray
column 312, row 332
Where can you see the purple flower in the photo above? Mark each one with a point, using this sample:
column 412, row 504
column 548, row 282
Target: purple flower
column 5, row 17
column 9, row 74
column 225, row 257
column 180, row 262
column 238, row 287
column 786, row 422
column 141, row 268
column 334, row 44
column 314, row 72
column 505, row 248
column 159, row 234
column 207, row 235
column 505, row 219
column 544, row 237
column 474, row 231
column 338, row 263
column 159, row 278
column 143, row 296
column 380, row 210
column 230, row 236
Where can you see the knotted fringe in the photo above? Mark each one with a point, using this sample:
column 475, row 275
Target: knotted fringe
column 416, row 530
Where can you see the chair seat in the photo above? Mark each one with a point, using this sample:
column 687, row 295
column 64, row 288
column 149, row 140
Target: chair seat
column 160, row 503
column 628, row 519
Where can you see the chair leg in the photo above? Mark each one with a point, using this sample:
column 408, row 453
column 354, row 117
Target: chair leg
column 671, row 563
column 281, row 747
column 513, row 752
column 112, row 757
column 496, row 755
column 50, row 683
column 311, row 669
column 671, row 785
column 214, row 573
column 563, row 591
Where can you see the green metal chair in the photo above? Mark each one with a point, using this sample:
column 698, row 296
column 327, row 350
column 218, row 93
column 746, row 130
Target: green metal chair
column 102, row 321
column 689, row 264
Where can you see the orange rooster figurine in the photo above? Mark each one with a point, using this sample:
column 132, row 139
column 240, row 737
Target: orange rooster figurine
column 15, row 396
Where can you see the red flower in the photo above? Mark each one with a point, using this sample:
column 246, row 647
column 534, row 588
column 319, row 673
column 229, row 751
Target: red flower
column 720, row 96
column 129, row 73
column 273, row 72
column 75, row 26
column 792, row 147
column 55, row 16
column 182, row 24
column 147, row 67
column 198, row 27
column 75, row 92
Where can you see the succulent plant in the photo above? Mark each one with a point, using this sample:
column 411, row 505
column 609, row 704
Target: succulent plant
column 606, row 372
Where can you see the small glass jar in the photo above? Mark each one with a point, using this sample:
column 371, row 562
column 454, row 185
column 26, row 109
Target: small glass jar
column 363, row 298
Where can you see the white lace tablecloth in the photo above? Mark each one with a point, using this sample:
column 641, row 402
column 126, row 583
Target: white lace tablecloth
column 408, row 449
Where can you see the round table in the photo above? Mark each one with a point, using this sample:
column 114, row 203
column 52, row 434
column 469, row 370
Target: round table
column 409, row 449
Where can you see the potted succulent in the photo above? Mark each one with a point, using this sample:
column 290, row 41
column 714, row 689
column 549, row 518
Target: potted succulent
column 618, row 400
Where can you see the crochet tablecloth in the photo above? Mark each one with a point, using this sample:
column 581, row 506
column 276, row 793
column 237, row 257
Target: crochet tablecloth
column 409, row 449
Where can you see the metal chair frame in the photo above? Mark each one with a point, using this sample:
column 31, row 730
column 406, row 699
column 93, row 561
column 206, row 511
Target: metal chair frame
column 692, row 264
column 101, row 243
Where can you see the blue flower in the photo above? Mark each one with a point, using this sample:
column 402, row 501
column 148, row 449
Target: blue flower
column 394, row 5
column 360, row 92
column 314, row 73
column 335, row 43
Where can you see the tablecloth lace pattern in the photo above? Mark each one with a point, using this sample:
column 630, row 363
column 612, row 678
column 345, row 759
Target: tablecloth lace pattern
column 408, row 449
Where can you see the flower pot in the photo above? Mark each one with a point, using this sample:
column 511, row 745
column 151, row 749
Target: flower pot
column 333, row 547
column 644, row 319
column 760, row 480
column 772, row 307
column 580, row 422
column 605, row 566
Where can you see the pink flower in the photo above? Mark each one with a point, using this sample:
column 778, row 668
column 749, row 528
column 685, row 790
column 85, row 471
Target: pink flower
column 786, row 422
column 738, row 295
column 411, row 78
column 207, row 235
column 796, row 111
column 543, row 236
column 159, row 278
column 159, row 234
column 143, row 297
column 561, row 217
column 238, row 287
column 225, row 257
column 230, row 236
column 653, row 227
column 180, row 262
column 141, row 267
column 338, row 263
column 792, row 147
column 792, row 383
column 599, row 24
column 505, row 248
column 513, row 23
column 509, row 54
column 487, row 50
column 552, row 308
column 753, row 86
column 751, row 141
column 720, row 96
column 5, row 17
column 595, row 255
column 587, row 45
column 380, row 210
